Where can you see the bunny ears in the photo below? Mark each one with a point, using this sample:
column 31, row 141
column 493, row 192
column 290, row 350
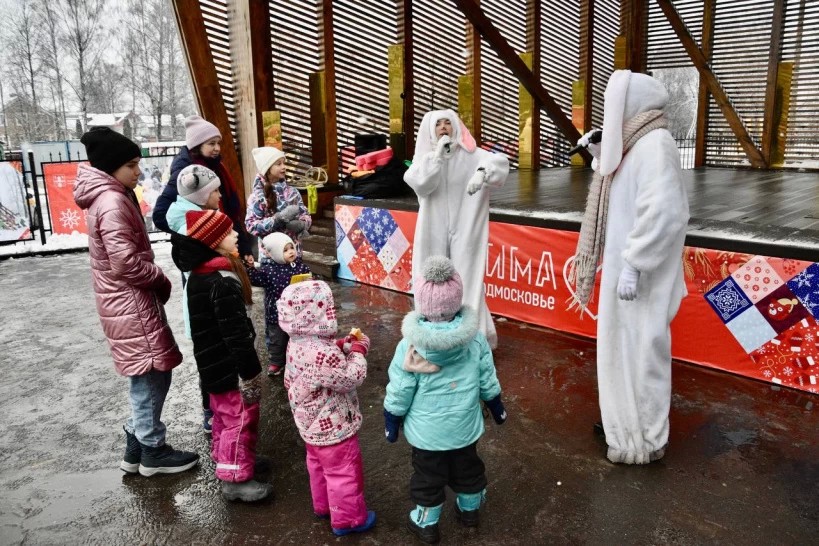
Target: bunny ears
column 426, row 133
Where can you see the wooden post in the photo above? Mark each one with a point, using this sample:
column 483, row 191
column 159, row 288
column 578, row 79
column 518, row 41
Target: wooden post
column 700, row 151
column 473, row 72
column 582, row 88
column 404, row 14
column 782, row 107
column 244, row 96
column 769, row 125
column 533, row 24
column 262, row 51
column 328, row 66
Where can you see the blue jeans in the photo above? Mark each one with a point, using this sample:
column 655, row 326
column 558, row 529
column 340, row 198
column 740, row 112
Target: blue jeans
column 147, row 397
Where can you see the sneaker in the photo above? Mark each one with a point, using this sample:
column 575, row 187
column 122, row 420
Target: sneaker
column 249, row 491
column 467, row 518
column 274, row 369
column 366, row 526
column 165, row 460
column 133, row 454
column 428, row 535
column 207, row 421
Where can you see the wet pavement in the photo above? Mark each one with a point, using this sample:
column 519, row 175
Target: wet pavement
column 742, row 465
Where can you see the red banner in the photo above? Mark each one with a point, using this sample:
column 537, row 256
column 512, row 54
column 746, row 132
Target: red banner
column 66, row 216
column 754, row 316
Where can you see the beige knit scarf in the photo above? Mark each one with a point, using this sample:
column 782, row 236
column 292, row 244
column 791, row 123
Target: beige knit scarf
column 593, row 229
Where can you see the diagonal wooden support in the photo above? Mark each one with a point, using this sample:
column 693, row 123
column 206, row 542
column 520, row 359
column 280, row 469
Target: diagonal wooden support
column 206, row 88
column 714, row 86
column 774, row 58
column 512, row 61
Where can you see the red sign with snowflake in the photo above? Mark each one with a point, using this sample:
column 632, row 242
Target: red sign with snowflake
column 66, row 216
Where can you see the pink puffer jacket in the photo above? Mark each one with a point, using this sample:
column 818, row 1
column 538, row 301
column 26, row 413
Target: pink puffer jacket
column 130, row 288
column 320, row 379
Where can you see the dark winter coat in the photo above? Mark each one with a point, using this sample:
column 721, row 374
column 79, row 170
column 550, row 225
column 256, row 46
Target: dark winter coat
column 222, row 333
column 274, row 278
column 230, row 204
column 130, row 288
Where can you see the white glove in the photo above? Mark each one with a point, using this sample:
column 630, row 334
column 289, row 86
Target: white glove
column 476, row 182
column 443, row 143
column 594, row 149
column 627, row 283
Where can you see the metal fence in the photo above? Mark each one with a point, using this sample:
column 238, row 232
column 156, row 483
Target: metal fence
column 36, row 198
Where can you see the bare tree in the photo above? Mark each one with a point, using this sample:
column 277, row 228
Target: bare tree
column 51, row 53
column 86, row 39
column 105, row 88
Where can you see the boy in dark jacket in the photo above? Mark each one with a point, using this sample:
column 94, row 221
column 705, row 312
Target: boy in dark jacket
column 274, row 278
column 223, row 335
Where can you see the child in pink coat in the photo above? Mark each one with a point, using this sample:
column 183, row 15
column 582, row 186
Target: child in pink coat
column 321, row 376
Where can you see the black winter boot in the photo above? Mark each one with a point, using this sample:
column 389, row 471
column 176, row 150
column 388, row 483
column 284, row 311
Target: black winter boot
column 467, row 518
column 133, row 454
column 165, row 460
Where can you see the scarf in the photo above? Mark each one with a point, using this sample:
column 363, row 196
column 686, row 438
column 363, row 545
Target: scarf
column 214, row 264
column 592, row 239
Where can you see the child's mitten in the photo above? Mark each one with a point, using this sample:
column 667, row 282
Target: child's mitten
column 360, row 344
column 290, row 212
column 251, row 389
column 296, row 226
column 391, row 424
column 496, row 408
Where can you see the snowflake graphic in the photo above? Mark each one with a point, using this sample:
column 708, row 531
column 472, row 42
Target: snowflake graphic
column 727, row 300
column 767, row 373
column 69, row 219
column 808, row 337
column 809, row 305
column 788, row 371
column 803, row 279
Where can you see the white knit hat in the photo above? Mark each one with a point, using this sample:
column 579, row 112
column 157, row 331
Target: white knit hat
column 274, row 245
column 265, row 157
column 196, row 182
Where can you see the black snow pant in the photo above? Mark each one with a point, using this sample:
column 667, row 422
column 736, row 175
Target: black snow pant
column 276, row 340
column 461, row 469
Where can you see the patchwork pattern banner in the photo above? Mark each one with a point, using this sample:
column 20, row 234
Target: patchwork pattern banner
column 754, row 316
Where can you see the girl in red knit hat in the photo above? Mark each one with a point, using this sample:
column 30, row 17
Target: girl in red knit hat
column 229, row 370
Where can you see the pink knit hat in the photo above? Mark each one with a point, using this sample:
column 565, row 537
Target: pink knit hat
column 198, row 131
column 439, row 291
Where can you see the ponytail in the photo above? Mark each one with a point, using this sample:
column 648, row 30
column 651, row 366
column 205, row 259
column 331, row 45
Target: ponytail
column 238, row 268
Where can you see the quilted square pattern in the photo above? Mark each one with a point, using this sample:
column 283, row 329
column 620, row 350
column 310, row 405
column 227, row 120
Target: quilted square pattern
column 727, row 299
column 805, row 286
column 751, row 329
column 757, row 278
column 377, row 225
column 346, row 215
column 792, row 358
column 782, row 309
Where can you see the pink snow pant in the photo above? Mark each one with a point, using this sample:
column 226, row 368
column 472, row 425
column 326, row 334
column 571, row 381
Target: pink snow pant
column 235, row 432
column 337, row 482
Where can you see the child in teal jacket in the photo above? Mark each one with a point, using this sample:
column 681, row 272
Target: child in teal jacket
column 441, row 371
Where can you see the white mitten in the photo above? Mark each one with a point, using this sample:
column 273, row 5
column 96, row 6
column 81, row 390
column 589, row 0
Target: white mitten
column 443, row 143
column 476, row 182
column 627, row 283
column 594, row 149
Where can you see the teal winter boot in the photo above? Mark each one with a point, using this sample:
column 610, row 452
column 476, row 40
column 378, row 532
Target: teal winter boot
column 467, row 508
column 423, row 523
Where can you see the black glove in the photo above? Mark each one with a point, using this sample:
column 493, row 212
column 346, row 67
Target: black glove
column 496, row 408
column 391, row 424
column 296, row 226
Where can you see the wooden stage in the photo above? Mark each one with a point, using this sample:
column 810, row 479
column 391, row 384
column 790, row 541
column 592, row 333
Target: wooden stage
column 772, row 213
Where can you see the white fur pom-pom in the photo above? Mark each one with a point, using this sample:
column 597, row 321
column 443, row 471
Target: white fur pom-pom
column 438, row 269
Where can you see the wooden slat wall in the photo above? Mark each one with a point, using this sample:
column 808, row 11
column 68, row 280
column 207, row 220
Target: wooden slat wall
column 606, row 29
column 362, row 78
column 801, row 45
column 295, row 40
column 214, row 13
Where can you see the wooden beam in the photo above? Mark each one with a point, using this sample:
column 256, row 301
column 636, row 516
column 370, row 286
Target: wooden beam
column 708, row 13
column 244, row 102
column 512, row 61
column 774, row 56
column 534, row 18
column 637, row 33
column 404, row 8
column 714, row 86
column 329, row 67
column 262, row 51
column 473, row 70
column 586, row 61
column 206, row 88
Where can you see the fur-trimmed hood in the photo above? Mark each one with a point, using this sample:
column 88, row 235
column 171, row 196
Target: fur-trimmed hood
column 441, row 342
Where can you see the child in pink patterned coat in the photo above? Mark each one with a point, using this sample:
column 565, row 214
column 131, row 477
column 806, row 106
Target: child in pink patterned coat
column 321, row 376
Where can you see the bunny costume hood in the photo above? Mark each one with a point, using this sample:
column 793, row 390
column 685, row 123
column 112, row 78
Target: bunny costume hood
column 645, row 227
column 451, row 222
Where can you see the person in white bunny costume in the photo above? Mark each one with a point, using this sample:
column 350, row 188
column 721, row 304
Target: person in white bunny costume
column 635, row 221
column 452, row 177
